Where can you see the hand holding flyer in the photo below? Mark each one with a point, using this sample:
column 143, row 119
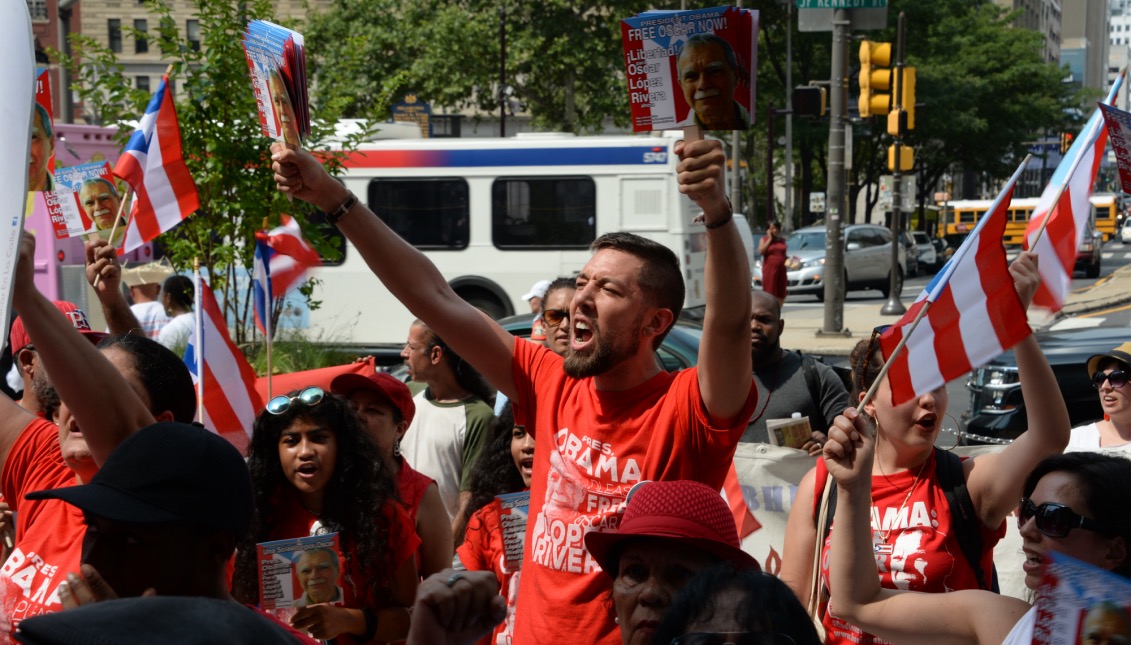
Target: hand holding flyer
column 691, row 68
column 300, row 572
column 85, row 200
column 276, row 59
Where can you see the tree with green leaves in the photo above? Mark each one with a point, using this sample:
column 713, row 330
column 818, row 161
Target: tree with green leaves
column 224, row 148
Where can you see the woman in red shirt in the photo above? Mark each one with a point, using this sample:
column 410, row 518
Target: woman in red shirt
column 315, row 470
column 505, row 466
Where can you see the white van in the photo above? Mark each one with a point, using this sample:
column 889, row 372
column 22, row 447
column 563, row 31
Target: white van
column 498, row 215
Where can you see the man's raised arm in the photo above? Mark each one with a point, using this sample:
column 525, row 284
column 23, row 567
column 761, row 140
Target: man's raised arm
column 724, row 352
column 406, row 273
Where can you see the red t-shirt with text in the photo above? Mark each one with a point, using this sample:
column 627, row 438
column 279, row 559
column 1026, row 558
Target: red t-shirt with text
column 592, row 447
column 49, row 533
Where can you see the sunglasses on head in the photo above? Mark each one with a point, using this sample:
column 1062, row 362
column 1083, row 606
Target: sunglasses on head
column 1117, row 378
column 733, row 638
column 309, row 397
column 555, row 317
column 1055, row 520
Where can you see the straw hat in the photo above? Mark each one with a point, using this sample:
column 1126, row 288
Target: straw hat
column 149, row 273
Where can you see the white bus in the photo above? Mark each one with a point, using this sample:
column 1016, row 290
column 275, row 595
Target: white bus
column 497, row 215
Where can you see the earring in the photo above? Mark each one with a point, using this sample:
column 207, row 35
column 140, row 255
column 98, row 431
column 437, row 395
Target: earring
column 617, row 620
column 397, row 448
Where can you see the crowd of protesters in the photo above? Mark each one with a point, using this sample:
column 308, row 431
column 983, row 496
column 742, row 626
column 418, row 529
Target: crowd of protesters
column 126, row 518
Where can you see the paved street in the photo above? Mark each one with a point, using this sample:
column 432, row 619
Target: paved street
column 1101, row 302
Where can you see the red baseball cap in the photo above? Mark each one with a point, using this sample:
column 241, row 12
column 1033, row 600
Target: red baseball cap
column 19, row 339
column 388, row 387
column 685, row 512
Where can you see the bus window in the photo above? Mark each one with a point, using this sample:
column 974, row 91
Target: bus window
column 967, row 216
column 427, row 213
column 558, row 212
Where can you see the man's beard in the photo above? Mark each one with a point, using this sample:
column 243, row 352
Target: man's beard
column 604, row 355
column 769, row 353
column 44, row 393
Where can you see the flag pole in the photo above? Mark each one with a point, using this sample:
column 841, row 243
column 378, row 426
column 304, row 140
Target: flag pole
column 199, row 341
column 268, row 314
column 114, row 228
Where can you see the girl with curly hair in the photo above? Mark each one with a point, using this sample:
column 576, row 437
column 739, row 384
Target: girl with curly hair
column 505, row 466
column 316, row 470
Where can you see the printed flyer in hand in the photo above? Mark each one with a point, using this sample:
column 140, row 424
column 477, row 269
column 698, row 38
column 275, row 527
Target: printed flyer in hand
column 276, row 59
column 86, row 199
column 299, row 572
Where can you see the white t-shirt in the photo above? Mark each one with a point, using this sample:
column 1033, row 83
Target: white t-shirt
column 1022, row 632
column 152, row 317
column 1086, row 438
column 175, row 335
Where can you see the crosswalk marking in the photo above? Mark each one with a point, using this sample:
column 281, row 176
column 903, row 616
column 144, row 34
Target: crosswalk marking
column 1077, row 323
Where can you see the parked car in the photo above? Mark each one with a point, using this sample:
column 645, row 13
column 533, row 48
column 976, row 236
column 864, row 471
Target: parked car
column 1089, row 254
column 1125, row 231
column 997, row 411
column 867, row 260
column 912, row 253
column 928, row 255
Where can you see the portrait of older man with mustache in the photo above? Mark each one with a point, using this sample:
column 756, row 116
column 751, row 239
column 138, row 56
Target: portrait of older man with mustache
column 100, row 201
column 708, row 74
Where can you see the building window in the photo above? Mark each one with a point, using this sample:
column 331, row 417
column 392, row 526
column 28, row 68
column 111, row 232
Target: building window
column 141, row 36
column 141, row 83
column 192, row 32
column 114, row 27
column 429, row 213
column 37, row 9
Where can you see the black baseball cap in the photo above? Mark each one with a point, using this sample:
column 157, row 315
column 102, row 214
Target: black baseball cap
column 168, row 472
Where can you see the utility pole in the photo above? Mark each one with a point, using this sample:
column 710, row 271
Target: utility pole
column 736, row 162
column 894, row 306
column 834, row 247
column 502, row 72
column 787, row 221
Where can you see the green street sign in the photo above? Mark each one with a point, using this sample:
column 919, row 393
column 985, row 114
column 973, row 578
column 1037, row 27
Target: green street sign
column 841, row 4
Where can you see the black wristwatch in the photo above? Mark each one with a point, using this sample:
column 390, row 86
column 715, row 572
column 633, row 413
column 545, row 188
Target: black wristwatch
column 338, row 213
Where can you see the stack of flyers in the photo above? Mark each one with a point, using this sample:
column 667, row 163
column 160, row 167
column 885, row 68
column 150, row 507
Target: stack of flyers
column 1080, row 603
column 691, row 68
column 276, row 58
column 514, row 508
column 85, row 200
column 299, row 572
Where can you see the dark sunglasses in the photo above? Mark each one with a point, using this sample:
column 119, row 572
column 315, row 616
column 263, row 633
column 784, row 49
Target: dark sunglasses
column 555, row 317
column 1055, row 520
column 1117, row 378
column 733, row 638
column 309, row 397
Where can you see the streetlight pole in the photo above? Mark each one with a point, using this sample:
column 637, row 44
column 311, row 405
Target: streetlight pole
column 787, row 221
column 894, row 306
column 834, row 247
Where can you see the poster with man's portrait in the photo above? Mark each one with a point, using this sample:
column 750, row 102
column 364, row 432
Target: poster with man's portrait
column 42, row 162
column 299, row 573
column 691, row 68
column 86, row 199
column 1081, row 604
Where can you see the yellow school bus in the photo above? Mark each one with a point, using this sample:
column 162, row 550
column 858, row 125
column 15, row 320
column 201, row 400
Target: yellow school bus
column 960, row 216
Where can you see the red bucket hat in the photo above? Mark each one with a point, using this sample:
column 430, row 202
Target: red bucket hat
column 386, row 386
column 686, row 512
column 19, row 339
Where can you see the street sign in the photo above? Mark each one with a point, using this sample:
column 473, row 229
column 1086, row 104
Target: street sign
column 816, row 202
column 906, row 196
column 841, row 4
column 820, row 17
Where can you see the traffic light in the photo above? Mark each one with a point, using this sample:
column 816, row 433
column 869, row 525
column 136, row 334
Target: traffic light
column 906, row 111
column 809, row 101
column 1065, row 142
column 906, row 158
column 875, row 78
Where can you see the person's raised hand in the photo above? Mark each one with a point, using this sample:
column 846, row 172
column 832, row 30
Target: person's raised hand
column 25, row 266
column 1026, row 276
column 87, row 587
column 848, row 452
column 701, row 172
column 299, row 174
column 102, row 266
column 322, row 621
column 456, row 607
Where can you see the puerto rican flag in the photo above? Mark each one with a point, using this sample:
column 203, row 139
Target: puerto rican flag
column 1068, row 217
column 974, row 312
column 282, row 258
column 153, row 165
column 224, row 378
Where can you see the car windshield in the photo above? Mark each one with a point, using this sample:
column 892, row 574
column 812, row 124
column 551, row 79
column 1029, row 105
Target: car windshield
column 806, row 240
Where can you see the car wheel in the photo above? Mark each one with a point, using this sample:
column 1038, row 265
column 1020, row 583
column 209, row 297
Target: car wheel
column 1093, row 270
column 886, row 288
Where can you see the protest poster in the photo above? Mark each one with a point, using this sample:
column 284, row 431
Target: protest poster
column 42, row 163
column 1118, row 125
column 276, row 60
column 85, row 200
column 299, row 572
column 688, row 68
column 18, row 78
column 791, row 433
column 514, row 509
column 1080, row 603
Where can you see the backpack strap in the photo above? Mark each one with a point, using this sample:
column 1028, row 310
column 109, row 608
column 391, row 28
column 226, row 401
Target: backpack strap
column 963, row 517
column 813, row 382
column 822, row 477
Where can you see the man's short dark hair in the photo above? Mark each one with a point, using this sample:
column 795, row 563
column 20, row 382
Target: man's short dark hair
column 660, row 279
column 166, row 379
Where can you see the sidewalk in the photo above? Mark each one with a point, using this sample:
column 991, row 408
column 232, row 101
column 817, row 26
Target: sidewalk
column 801, row 327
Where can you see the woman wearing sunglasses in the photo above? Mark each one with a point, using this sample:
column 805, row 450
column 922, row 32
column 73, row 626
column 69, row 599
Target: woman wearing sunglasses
column 316, row 470
column 555, row 314
column 1109, row 377
column 921, row 541
column 1075, row 504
